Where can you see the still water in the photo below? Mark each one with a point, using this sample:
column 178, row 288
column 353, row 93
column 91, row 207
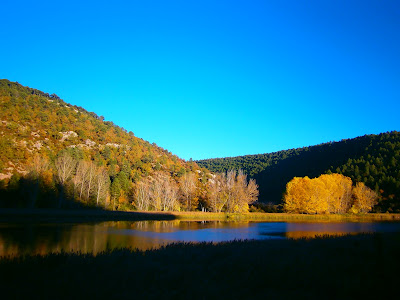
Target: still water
column 19, row 239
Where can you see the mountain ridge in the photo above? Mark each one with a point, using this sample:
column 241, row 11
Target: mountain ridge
column 372, row 159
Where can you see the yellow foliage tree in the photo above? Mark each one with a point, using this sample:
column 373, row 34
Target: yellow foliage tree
column 329, row 193
column 364, row 198
column 337, row 192
column 297, row 195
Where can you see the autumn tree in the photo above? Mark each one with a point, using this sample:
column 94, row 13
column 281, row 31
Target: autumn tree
column 80, row 178
column 231, row 192
column 329, row 193
column 364, row 198
column 65, row 167
column 297, row 195
column 187, row 186
column 158, row 192
column 142, row 195
column 338, row 190
column 217, row 192
column 102, row 181
column 169, row 193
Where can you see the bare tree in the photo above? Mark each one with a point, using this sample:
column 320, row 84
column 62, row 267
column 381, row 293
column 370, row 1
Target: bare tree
column 217, row 192
column 157, row 191
column 230, row 185
column 188, row 188
column 80, row 177
column 142, row 195
column 169, row 199
column 102, row 183
column 232, row 192
column 90, row 178
column 65, row 167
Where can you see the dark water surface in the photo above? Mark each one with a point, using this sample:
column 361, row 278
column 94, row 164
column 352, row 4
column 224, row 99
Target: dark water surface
column 19, row 239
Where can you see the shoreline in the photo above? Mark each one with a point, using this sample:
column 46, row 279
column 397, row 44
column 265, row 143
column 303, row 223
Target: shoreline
column 93, row 215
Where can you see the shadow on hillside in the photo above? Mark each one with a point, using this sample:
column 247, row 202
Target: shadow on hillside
column 37, row 200
column 312, row 163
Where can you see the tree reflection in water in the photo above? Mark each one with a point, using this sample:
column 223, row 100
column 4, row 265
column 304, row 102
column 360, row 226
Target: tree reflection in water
column 21, row 239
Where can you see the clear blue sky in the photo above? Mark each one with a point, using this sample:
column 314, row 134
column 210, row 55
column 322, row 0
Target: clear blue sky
column 214, row 78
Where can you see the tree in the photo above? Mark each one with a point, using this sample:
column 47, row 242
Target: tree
column 65, row 167
column 329, row 193
column 338, row 189
column 142, row 195
column 169, row 195
column 102, row 183
column 115, row 191
column 252, row 191
column 187, row 185
column 36, row 168
column 216, row 192
column 231, row 191
column 90, row 178
column 159, row 192
column 296, row 195
column 80, row 179
column 364, row 198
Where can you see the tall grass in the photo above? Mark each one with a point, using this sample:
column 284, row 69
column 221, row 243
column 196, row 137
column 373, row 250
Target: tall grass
column 349, row 267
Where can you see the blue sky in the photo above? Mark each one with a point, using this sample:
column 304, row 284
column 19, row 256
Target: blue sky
column 214, row 78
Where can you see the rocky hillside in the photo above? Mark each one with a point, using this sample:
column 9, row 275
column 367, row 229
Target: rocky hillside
column 36, row 127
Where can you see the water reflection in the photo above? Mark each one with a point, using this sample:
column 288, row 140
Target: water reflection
column 20, row 239
column 312, row 230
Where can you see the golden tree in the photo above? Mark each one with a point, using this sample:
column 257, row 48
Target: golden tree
column 364, row 198
column 338, row 192
column 329, row 193
column 297, row 195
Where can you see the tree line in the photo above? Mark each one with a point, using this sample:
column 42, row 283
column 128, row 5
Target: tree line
column 328, row 193
column 72, row 182
column 372, row 159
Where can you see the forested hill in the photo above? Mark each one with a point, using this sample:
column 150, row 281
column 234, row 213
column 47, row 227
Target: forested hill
column 372, row 159
column 34, row 123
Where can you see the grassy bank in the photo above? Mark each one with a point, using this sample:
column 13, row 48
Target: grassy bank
column 349, row 267
column 94, row 215
column 277, row 217
column 78, row 215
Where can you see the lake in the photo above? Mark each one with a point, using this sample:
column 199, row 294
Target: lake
column 20, row 239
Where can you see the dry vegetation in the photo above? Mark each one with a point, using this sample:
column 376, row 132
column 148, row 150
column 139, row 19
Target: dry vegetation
column 349, row 267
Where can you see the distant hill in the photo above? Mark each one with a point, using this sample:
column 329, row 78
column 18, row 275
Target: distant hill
column 33, row 122
column 372, row 159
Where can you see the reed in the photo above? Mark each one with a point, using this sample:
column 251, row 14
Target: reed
column 347, row 267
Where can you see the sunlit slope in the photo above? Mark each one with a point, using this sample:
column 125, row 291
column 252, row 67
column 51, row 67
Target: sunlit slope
column 372, row 159
column 32, row 121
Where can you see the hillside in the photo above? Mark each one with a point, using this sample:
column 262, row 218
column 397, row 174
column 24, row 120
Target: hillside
column 372, row 159
column 36, row 128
